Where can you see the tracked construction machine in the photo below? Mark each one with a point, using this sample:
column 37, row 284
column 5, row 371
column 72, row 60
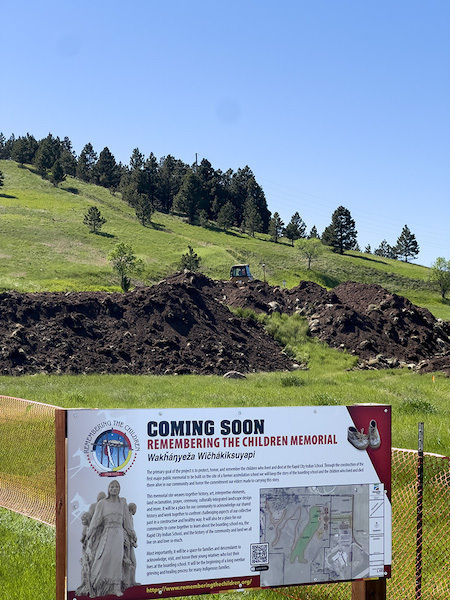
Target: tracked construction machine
column 240, row 273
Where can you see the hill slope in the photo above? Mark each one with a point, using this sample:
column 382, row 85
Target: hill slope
column 46, row 247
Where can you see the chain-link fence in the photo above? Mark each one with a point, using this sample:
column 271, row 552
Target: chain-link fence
column 27, row 485
column 27, row 458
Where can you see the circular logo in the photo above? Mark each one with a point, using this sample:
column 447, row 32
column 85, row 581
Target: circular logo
column 111, row 453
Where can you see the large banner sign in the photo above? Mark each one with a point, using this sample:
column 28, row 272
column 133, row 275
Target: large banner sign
column 190, row 501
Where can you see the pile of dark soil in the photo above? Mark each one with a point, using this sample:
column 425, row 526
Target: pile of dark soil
column 183, row 325
column 384, row 330
column 174, row 327
column 261, row 297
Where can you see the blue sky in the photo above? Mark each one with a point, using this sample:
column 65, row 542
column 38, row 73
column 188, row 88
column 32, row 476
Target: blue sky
column 330, row 102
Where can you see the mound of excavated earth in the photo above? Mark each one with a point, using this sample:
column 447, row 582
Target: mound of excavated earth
column 174, row 327
column 183, row 325
column 384, row 330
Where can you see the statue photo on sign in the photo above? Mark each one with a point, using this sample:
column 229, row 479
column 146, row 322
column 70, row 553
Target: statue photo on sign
column 108, row 562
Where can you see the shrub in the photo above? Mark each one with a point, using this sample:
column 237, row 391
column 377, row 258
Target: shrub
column 417, row 406
column 291, row 381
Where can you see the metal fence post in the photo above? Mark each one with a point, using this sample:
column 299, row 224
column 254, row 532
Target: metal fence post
column 419, row 535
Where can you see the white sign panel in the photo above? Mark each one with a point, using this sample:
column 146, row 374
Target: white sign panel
column 191, row 501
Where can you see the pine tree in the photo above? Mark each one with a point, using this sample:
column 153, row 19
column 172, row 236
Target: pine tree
column 49, row 150
column 86, row 163
column 256, row 192
column 3, row 150
column 69, row 162
column 341, row 234
column 93, row 219
column 19, row 151
column 222, row 194
column 57, row 174
column 105, row 171
column 243, row 185
column 149, row 180
column 136, row 160
column 386, row 251
column 171, row 173
column 295, row 229
column 407, row 245
column 313, row 233
column 251, row 221
column 207, row 177
column 24, row 149
column 225, row 218
column 68, row 157
column 190, row 261
column 130, row 194
column 276, row 226
column 328, row 237
column 6, row 146
column 189, row 199
column 143, row 208
column 203, row 219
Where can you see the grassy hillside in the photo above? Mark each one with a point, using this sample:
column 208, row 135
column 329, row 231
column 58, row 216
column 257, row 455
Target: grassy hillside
column 46, row 246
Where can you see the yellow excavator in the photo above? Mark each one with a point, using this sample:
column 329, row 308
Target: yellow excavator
column 240, row 273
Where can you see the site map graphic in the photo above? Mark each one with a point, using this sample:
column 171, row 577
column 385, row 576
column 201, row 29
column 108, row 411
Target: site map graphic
column 318, row 533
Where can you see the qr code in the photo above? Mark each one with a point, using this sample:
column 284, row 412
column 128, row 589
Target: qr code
column 259, row 554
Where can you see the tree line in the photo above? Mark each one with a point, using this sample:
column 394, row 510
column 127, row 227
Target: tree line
column 341, row 235
column 198, row 192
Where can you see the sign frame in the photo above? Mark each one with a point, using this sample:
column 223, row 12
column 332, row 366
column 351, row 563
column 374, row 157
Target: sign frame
column 243, row 427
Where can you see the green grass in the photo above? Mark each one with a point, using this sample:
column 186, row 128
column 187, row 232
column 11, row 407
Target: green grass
column 46, row 246
column 411, row 395
column 27, row 558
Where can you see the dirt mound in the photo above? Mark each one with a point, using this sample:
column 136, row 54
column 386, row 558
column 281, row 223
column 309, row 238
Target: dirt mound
column 384, row 330
column 436, row 363
column 176, row 326
column 183, row 325
column 379, row 326
column 261, row 297
column 254, row 295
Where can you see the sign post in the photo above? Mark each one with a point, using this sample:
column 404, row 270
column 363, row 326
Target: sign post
column 371, row 589
column 176, row 502
column 61, row 507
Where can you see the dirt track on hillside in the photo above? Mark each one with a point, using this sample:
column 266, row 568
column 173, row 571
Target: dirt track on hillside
column 183, row 325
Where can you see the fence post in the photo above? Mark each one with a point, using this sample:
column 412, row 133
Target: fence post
column 419, row 534
column 369, row 589
column 61, row 529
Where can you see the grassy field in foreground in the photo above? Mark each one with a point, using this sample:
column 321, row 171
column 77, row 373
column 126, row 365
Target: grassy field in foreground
column 27, row 558
column 413, row 397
